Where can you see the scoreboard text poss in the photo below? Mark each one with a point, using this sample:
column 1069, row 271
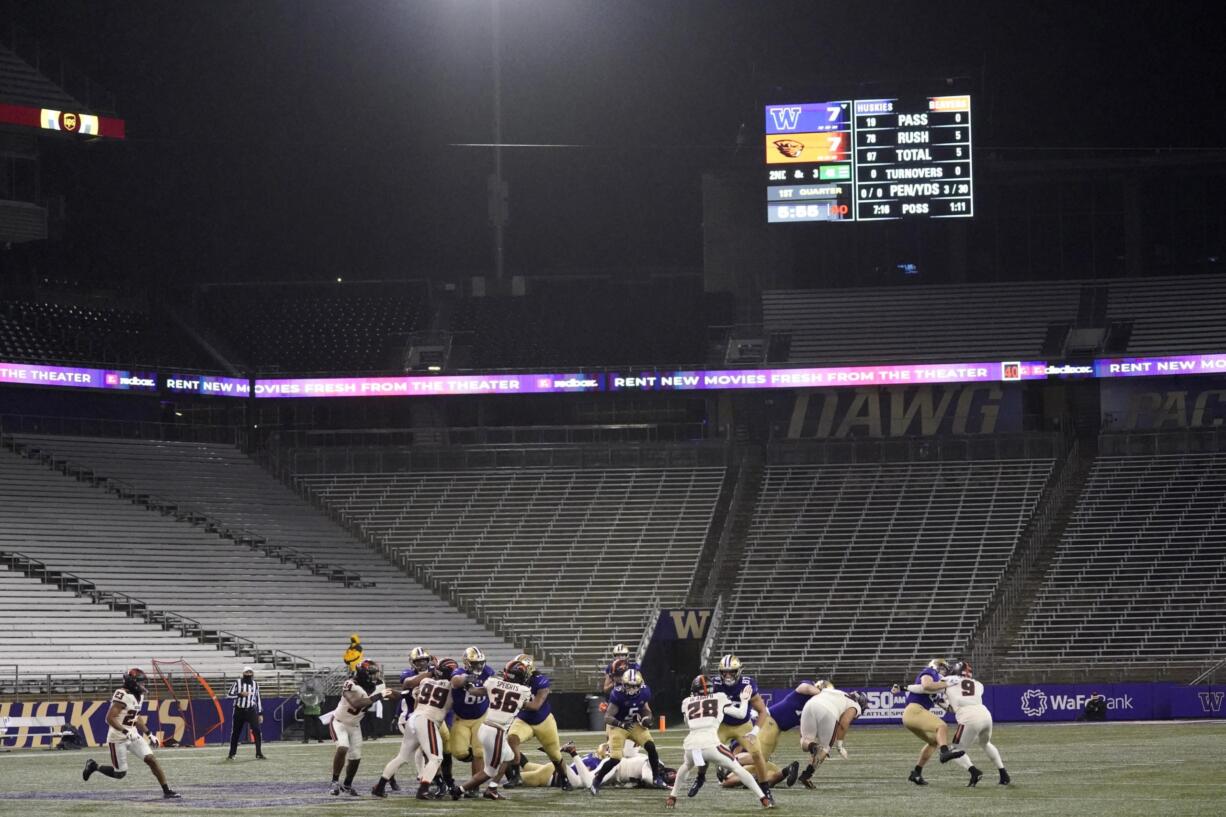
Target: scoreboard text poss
column 869, row 159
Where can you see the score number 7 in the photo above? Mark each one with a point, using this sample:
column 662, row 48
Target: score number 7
column 832, row 112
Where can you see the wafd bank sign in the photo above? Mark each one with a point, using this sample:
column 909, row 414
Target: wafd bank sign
column 1066, row 702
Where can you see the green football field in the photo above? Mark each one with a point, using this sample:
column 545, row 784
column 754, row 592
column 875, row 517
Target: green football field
column 1076, row 770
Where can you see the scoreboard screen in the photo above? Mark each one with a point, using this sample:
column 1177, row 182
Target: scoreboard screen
column 869, row 159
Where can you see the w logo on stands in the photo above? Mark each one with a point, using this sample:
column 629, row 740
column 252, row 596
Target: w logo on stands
column 785, row 118
column 690, row 623
column 1034, row 702
column 1211, row 701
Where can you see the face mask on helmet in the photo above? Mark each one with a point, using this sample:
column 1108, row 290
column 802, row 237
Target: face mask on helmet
column 135, row 682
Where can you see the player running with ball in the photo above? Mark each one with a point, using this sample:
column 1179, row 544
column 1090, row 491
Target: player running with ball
column 127, row 732
column 704, row 711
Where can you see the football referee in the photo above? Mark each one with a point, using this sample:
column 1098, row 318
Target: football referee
column 245, row 693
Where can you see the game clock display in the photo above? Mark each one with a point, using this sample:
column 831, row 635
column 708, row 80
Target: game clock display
column 869, row 160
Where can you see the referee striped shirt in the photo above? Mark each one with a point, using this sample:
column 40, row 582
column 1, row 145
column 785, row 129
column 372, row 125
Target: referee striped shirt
column 246, row 694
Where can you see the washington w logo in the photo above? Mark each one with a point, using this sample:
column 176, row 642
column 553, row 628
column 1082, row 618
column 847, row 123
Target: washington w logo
column 1034, row 702
column 1211, row 701
column 690, row 623
column 786, row 118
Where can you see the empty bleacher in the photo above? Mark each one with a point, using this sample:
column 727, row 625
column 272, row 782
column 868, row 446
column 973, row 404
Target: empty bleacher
column 179, row 567
column 1139, row 577
column 965, row 322
column 315, row 327
column 1174, row 315
column 47, row 631
column 866, row 571
column 576, row 558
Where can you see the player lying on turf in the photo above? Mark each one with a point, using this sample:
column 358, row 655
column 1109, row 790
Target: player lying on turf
column 126, row 733
column 964, row 698
column 919, row 721
column 704, row 712
column 629, row 709
column 357, row 695
column 825, row 719
column 633, row 770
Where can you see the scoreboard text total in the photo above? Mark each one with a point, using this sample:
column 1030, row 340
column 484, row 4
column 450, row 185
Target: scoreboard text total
column 869, row 159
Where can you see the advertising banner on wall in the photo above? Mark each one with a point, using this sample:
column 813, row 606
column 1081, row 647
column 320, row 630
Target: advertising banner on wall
column 167, row 717
column 902, row 411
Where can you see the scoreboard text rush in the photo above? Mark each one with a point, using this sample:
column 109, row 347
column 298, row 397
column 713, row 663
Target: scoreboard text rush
column 869, row 159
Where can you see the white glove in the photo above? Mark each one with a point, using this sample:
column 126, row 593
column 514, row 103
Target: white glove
column 154, row 740
column 838, row 745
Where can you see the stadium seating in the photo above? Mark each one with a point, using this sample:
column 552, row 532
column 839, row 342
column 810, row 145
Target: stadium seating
column 47, row 631
column 575, row 558
column 587, row 322
column 315, row 327
column 862, row 572
column 176, row 566
column 34, row 329
column 968, row 322
column 1180, row 314
column 1140, row 573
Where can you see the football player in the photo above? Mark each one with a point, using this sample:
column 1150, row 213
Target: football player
column 918, row 720
column 826, row 717
column 127, row 732
column 469, row 709
column 704, row 711
column 536, row 719
column 508, row 696
column 784, row 717
column 614, row 670
column 735, row 725
column 629, row 708
column 423, row 740
column 346, row 724
column 964, row 698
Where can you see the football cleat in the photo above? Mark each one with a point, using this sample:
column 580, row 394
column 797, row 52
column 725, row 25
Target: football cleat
column 351, row 791
column 1005, row 780
column 791, row 773
column 167, row 794
column 917, row 778
column 948, row 754
column 494, row 794
column 91, row 766
column 697, row 784
column 729, row 668
column 806, row 777
column 768, row 802
column 975, row 775
column 569, row 748
column 335, row 790
column 455, row 791
column 378, row 791
column 392, row 784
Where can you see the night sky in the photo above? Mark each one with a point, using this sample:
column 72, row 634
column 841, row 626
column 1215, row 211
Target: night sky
column 305, row 139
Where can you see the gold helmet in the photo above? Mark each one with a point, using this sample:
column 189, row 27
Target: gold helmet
column 729, row 668
column 632, row 681
column 621, row 651
column 420, row 659
column 527, row 661
column 474, row 659
column 940, row 665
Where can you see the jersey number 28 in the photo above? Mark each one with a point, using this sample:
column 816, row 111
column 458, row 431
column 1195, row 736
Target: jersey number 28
column 704, row 708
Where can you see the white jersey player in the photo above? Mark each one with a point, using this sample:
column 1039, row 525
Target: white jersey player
column 703, row 712
column 345, row 726
column 126, row 732
column 423, row 733
column 507, row 695
column 964, row 697
column 825, row 719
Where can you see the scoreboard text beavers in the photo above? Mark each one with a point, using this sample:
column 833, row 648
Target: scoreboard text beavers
column 869, row 159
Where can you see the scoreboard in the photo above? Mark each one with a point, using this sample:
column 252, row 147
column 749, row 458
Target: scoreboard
column 869, row 159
